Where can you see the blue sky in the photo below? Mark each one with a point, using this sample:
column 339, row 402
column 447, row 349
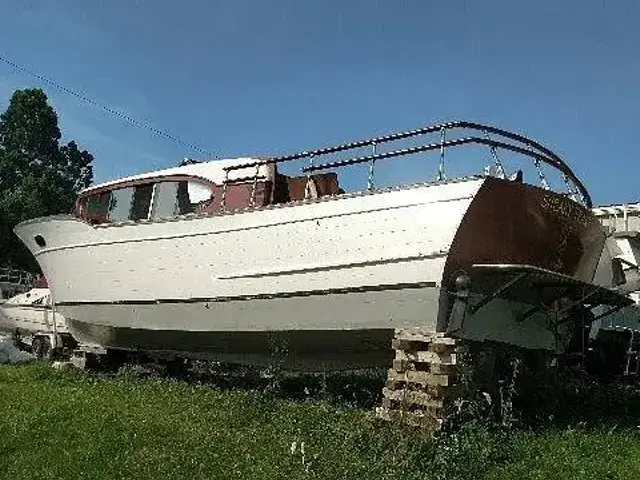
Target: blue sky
column 240, row 77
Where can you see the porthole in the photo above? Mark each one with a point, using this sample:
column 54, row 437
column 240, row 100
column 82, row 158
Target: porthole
column 39, row 239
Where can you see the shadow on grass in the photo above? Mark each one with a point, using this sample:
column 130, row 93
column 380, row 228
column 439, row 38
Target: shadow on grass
column 360, row 389
column 541, row 396
column 569, row 397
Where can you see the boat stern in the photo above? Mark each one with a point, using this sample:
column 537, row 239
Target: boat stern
column 521, row 266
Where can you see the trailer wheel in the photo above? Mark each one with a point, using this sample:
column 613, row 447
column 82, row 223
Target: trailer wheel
column 41, row 347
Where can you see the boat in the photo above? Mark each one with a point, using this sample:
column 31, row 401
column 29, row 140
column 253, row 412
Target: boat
column 29, row 317
column 12, row 282
column 616, row 218
column 622, row 224
column 615, row 336
column 234, row 260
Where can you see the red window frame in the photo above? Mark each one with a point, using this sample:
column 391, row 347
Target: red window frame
column 238, row 195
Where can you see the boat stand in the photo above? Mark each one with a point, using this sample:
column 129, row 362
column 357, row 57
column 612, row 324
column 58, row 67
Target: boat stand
column 425, row 379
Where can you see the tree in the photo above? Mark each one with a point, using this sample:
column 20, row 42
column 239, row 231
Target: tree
column 38, row 176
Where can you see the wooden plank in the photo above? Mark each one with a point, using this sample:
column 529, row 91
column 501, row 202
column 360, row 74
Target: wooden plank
column 442, row 348
column 443, row 369
column 412, row 338
column 420, row 420
column 414, row 397
column 417, row 345
column 397, row 405
column 418, row 334
column 426, row 331
column 427, row 357
column 437, row 391
column 426, row 339
column 422, row 378
column 401, row 366
column 392, row 404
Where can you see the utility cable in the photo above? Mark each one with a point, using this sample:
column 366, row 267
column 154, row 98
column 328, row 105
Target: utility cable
column 104, row 107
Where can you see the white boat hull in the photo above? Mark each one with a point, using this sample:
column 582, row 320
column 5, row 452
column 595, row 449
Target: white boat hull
column 21, row 315
column 324, row 274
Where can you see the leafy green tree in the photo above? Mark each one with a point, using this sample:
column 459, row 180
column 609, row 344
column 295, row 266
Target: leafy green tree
column 38, row 175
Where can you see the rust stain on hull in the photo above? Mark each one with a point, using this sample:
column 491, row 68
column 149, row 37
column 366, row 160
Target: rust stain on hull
column 514, row 223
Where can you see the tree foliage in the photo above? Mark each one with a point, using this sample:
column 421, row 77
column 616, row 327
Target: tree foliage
column 39, row 176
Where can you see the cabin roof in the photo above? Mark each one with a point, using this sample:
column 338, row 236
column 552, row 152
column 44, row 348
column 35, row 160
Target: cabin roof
column 212, row 170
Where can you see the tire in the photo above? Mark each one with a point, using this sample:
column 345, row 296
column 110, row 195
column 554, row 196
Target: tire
column 36, row 346
column 41, row 347
column 48, row 352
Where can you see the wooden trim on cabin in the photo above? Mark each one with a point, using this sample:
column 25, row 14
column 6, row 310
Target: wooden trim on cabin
column 141, row 181
column 282, row 189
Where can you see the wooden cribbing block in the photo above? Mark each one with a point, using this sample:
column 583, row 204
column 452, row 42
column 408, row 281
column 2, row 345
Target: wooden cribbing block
column 415, row 419
column 414, row 397
column 421, row 378
column 427, row 357
column 434, row 390
column 425, row 331
column 416, row 343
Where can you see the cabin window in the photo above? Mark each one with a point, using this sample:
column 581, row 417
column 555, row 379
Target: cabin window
column 179, row 198
column 98, row 205
column 141, row 202
column 184, row 204
column 120, row 204
column 165, row 200
column 151, row 200
column 199, row 193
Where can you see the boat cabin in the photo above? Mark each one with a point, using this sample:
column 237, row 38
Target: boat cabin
column 199, row 188
column 223, row 185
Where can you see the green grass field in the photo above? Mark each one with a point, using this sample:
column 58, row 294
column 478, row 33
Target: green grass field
column 70, row 425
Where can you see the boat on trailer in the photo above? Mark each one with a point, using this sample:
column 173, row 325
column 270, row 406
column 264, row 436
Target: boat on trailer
column 13, row 282
column 234, row 260
column 31, row 319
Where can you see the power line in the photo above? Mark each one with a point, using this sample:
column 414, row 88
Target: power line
column 105, row 108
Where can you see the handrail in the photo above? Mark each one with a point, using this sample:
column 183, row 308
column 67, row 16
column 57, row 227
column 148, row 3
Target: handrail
column 527, row 147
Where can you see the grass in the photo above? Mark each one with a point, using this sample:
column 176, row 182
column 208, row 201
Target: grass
column 70, row 425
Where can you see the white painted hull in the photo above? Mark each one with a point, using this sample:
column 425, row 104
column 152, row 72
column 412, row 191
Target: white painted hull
column 341, row 267
column 360, row 325
column 312, row 328
column 392, row 237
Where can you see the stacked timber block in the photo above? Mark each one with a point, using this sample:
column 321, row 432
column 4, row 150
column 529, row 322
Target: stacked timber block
column 421, row 383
